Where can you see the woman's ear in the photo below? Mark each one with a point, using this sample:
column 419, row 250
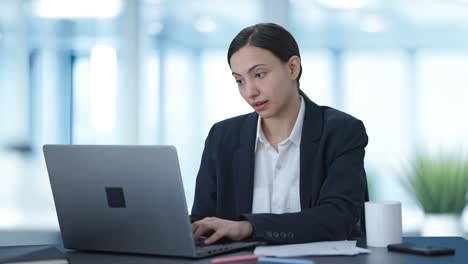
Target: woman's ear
column 294, row 67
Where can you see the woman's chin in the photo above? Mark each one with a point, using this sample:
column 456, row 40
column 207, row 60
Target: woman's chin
column 265, row 114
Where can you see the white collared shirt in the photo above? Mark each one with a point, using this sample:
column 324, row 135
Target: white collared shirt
column 276, row 178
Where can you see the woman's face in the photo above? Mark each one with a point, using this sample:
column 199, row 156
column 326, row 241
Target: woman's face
column 265, row 82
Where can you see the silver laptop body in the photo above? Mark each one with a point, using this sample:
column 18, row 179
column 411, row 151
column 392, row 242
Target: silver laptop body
column 123, row 199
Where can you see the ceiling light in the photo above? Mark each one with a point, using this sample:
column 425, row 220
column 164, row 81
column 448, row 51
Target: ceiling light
column 77, row 8
column 205, row 24
column 153, row 2
column 346, row 4
column 372, row 24
column 155, row 28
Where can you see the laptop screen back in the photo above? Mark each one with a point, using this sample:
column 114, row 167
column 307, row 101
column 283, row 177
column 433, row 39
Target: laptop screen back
column 120, row 198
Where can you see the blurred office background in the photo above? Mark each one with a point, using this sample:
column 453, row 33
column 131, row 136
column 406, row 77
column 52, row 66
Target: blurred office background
column 155, row 72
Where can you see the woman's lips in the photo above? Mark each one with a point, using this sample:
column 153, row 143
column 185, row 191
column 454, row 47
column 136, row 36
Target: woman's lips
column 260, row 105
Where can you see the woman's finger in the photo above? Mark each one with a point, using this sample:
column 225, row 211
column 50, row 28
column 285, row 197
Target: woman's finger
column 203, row 228
column 215, row 236
column 198, row 232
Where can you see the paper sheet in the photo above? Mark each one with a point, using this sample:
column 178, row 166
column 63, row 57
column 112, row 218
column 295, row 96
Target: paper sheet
column 329, row 248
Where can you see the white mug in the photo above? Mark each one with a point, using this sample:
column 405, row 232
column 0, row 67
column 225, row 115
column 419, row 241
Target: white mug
column 383, row 223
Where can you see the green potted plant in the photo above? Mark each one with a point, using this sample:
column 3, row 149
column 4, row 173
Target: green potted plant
column 439, row 184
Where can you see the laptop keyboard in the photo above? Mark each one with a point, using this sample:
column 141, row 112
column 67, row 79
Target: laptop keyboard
column 222, row 245
column 201, row 242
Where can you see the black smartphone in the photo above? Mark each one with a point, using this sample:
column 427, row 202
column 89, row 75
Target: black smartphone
column 420, row 249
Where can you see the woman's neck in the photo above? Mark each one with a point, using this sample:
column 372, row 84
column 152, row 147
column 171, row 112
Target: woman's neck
column 278, row 128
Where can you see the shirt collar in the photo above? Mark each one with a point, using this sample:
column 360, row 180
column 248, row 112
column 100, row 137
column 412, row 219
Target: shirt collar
column 296, row 133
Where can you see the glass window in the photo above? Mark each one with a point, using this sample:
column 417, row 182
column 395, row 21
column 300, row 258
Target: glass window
column 82, row 129
column 316, row 76
column 376, row 91
column 180, row 107
column 222, row 96
column 442, row 100
column 14, row 97
column 94, row 97
column 149, row 115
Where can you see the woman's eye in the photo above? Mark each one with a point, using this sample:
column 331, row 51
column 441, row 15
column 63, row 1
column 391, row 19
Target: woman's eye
column 260, row 74
column 239, row 82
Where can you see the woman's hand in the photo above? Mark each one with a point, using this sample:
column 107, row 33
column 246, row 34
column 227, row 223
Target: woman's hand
column 221, row 228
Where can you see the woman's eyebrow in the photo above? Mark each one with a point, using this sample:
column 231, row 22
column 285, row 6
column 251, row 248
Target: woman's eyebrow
column 250, row 69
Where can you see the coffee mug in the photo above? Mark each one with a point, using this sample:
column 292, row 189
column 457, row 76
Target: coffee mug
column 383, row 223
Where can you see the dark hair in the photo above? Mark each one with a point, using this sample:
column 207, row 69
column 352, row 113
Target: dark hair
column 267, row 36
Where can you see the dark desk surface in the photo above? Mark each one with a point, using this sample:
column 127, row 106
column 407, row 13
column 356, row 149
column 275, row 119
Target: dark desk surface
column 378, row 255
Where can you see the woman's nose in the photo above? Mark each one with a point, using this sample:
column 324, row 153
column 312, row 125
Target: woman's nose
column 251, row 90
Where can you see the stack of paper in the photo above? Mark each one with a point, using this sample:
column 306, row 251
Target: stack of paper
column 329, row 248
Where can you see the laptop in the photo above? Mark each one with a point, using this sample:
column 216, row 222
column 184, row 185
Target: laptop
column 124, row 199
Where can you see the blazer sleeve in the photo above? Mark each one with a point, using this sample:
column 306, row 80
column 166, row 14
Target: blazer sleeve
column 205, row 187
column 340, row 200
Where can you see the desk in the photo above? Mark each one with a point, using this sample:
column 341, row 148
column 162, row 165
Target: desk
column 378, row 255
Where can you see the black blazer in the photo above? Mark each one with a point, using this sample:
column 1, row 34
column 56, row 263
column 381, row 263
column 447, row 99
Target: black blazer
column 333, row 184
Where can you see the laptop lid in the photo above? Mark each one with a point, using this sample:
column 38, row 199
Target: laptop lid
column 120, row 198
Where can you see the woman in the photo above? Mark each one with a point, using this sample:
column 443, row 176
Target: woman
column 290, row 172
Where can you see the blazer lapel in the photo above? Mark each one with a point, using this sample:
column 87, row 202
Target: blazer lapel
column 244, row 162
column 311, row 133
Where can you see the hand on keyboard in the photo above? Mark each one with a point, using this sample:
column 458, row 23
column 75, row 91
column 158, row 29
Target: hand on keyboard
column 218, row 228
